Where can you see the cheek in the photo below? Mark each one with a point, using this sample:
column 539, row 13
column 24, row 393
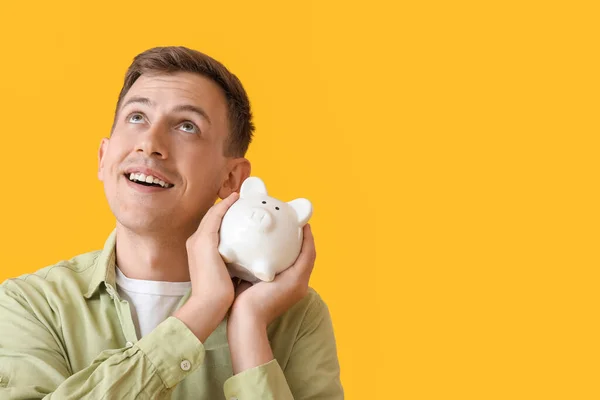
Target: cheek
column 121, row 145
column 112, row 160
column 202, row 173
column 202, row 178
column 197, row 160
column 111, row 163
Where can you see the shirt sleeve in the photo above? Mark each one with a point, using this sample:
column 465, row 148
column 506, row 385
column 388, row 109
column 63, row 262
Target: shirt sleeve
column 33, row 364
column 312, row 371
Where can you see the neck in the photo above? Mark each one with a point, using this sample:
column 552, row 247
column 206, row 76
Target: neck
column 152, row 257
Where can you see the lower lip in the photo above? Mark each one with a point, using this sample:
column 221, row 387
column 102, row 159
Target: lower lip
column 145, row 189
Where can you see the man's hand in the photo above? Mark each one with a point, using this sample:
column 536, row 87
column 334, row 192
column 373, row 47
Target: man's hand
column 265, row 301
column 256, row 306
column 212, row 288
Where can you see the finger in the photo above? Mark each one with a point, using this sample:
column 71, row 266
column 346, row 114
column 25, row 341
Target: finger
column 305, row 261
column 213, row 218
column 308, row 253
column 308, row 243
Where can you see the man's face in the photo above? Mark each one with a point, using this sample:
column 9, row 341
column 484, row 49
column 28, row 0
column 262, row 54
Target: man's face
column 172, row 128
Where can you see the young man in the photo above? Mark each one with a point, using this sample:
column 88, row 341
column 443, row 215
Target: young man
column 155, row 315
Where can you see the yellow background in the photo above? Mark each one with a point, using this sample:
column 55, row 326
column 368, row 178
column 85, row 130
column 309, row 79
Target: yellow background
column 450, row 150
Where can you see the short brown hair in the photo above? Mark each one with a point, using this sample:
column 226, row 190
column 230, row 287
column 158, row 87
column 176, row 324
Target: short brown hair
column 181, row 59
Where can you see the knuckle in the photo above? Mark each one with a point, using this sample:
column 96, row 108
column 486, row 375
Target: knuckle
column 190, row 242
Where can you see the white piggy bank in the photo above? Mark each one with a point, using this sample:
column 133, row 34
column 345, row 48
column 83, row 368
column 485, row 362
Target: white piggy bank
column 261, row 236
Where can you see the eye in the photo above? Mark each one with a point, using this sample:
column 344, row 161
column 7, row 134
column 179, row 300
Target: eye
column 264, row 202
column 135, row 118
column 277, row 208
column 189, row 127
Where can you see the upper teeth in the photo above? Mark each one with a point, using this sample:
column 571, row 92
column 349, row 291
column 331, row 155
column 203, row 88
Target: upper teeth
column 148, row 179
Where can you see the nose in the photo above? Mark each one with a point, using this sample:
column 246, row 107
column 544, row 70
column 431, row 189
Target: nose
column 261, row 218
column 151, row 142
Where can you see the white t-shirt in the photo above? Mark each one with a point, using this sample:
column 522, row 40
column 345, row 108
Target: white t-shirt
column 151, row 302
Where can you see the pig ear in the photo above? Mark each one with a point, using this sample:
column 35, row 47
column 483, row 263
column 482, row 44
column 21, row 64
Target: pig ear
column 253, row 186
column 303, row 210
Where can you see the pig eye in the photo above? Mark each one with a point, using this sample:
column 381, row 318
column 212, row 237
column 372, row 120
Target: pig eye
column 264, row 202
column 277, row 208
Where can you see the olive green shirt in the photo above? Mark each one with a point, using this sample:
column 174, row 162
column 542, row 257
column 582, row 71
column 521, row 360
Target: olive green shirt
column 65, row 334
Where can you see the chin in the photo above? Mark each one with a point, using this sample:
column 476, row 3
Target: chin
column 140, row 221
column 140, row 226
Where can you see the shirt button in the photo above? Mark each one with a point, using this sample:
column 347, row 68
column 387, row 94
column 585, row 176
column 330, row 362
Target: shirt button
column 185, row 365
column 129, row 344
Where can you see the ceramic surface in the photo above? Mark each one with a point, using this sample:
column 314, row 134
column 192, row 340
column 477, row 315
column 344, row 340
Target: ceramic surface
column 261, row 236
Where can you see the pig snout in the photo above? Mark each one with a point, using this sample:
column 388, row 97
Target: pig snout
column 261, row 218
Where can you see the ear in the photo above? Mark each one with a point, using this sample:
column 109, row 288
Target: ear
column 253, row 186
column 101, row 153
column 303, row 210
column 238, row 170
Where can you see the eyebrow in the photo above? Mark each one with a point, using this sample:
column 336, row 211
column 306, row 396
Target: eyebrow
column 141, row 100
column 183, row 107
column 194, row 109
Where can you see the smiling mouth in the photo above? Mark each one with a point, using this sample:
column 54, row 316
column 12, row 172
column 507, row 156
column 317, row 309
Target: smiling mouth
column 147, row 180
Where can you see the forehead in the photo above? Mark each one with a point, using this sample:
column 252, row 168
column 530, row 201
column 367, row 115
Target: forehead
column 170, row 90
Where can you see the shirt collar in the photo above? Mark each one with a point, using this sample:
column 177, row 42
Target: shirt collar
column 104, row 270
